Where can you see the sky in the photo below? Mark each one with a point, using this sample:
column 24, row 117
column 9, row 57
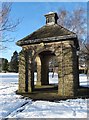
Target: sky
column 31, row 15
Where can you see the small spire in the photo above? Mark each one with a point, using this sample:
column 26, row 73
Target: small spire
column 51, row 18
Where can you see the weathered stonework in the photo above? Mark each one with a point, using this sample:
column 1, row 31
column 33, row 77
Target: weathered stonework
column 65, row 53
column 21, row 88
column 41, row 50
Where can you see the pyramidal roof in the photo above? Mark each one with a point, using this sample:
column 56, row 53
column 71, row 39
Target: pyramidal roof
column 48, row 31
column 51, row 29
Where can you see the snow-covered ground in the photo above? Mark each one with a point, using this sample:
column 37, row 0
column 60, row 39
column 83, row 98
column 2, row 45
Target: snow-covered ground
column 15, row 106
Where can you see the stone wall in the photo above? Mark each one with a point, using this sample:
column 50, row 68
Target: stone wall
column 65, row 53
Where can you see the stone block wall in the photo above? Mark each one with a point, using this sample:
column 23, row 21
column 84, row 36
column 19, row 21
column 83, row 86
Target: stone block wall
column 65, row 53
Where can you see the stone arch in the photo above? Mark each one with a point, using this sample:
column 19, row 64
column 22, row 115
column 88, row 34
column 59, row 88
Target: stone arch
column 42, row 50
column 43, row 65
column 54, row 51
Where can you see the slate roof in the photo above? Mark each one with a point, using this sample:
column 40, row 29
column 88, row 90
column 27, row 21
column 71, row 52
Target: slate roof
column 46, row 31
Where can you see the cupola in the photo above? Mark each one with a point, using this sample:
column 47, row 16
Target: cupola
column 51, row 18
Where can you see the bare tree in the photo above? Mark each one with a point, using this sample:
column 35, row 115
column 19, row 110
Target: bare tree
column 85, row 53
column 76, row 21
column 7, row 25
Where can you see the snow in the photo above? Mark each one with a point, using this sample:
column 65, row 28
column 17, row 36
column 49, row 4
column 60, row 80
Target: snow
column 15, row 106
column 52, row 80
column 50, row 12
column 83, row 80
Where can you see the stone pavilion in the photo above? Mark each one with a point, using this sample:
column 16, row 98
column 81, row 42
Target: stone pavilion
column 48, row 41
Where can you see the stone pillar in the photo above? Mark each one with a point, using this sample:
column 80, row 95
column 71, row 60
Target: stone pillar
column 75, row 70
column 44, row 71
column 67, row 72
column 76, row 67
column 38, row 71
column 21, row 88
column 30, row 74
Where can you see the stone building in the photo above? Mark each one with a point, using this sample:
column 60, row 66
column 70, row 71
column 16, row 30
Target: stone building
column 51, row 40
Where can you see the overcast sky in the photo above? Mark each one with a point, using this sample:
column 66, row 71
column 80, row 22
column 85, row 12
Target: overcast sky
column 32, row 16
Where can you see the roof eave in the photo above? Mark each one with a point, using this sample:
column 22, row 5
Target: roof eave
column 49, row 39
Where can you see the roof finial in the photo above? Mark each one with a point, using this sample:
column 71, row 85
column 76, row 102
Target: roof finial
column 51, row 18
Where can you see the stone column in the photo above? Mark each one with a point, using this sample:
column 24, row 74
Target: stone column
column 38, row 71
column 76, row 67
column 30, row 73
column 44, row 71
column 75, row 70
column 21, row 88
column 67, row 73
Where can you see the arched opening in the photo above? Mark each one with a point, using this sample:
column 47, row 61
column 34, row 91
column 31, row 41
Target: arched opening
column 46, row 71
column 53, row 70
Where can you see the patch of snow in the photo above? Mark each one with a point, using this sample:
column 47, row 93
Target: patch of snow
column 45, row 109
column 15, row 106
column 53, row 79
column 83, row 80
column 51, row 12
